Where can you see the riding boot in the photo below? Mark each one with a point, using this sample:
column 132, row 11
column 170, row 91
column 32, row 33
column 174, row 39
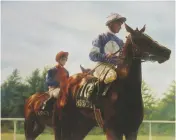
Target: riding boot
column 106, row 88
column 97, row 93
column 48, row 103
column 45, row 103
column 102, row 91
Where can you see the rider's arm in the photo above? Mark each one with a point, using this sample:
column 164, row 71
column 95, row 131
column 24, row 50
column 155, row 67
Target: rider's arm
column 50, row 81
column 95, row 54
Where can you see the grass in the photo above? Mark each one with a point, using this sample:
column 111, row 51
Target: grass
column 9, row 136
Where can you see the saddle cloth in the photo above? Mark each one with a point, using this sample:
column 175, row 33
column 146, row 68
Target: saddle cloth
column 89, row 92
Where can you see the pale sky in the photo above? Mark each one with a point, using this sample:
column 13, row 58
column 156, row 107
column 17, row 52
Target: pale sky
column 33, row 32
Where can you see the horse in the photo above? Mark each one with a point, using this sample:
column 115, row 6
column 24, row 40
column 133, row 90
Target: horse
column 37, row 119
column 120, row 110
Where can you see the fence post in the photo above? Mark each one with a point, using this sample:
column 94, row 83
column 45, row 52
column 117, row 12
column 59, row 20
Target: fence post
column 14, row 133
column 150, row 130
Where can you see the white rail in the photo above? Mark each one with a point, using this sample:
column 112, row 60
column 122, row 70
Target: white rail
column 145, row 121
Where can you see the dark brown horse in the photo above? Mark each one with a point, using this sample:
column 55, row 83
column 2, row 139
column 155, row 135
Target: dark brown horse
column 121, row 109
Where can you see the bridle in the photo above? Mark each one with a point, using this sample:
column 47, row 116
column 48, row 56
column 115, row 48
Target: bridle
column 135, row 48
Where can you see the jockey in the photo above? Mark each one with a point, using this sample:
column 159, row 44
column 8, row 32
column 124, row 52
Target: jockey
column 104, row 46
column 56, row 78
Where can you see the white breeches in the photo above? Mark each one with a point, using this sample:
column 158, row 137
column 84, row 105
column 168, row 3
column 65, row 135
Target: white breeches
column 54, row 92
column 101, row 71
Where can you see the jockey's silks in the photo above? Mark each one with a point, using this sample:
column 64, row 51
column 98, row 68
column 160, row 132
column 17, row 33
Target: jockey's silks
column 56, row 76
column 104, row 44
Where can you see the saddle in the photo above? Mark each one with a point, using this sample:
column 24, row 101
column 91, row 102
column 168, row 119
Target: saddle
column 90, row 92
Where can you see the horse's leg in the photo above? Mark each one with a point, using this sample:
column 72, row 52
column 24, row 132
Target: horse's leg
column 32, row 127
column 131, row 135
column 38, row 129
column 29, row 125
column 112, row 135
column 66, row 126
column 56, row 123
column 82, row 128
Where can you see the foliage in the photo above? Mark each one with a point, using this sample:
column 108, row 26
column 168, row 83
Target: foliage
column 14, row 91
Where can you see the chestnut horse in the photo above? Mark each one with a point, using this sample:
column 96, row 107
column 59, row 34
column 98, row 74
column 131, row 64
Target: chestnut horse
column 37, row 119
column 120, row 111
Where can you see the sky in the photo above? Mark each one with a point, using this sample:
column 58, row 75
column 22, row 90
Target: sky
column 33, row 32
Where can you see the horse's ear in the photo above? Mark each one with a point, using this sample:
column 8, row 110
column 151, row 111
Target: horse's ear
column 143, row 29
column 129, row 29
column 82, row 69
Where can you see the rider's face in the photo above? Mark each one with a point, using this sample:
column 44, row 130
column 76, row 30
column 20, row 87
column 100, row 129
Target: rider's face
column 63, row 60
column 116, row 26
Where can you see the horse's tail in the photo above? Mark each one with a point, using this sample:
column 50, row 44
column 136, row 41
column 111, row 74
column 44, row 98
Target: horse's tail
column 29, row 124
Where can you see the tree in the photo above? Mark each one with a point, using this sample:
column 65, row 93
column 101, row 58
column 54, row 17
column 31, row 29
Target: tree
column 166, row 107
column 36, row 81
column 43, row 86
column 166, row 111
column 12, row 99
column 150, row 102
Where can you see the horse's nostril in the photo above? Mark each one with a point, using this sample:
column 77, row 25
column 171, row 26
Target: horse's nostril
column 168, row 53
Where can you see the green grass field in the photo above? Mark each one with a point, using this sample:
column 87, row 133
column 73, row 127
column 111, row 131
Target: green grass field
column 9, row 136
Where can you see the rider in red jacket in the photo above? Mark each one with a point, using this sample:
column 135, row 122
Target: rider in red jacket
column 57, row 77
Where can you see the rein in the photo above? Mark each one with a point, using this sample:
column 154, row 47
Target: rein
column 102, row 63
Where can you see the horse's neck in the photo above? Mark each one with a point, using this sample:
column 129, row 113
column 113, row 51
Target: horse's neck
column 134, row 64
column 135, row 71
column 133, row 82
column 127, row 53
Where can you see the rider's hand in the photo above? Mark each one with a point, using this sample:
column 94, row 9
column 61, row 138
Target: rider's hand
column 109, row 55
column 120, row 61
column 115, row 60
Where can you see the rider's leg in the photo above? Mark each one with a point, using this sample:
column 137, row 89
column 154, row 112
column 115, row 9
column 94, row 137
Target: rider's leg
column 106, row 75
column 53, row 94
column 108, row 79
column 45, row 103
column 110, row 76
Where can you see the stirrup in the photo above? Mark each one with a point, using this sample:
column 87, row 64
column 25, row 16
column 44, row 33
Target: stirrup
column 45, row 103
column 106, row 89
column 43, row 106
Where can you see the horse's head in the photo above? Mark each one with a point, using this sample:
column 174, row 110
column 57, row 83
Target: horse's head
column 145, row 47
